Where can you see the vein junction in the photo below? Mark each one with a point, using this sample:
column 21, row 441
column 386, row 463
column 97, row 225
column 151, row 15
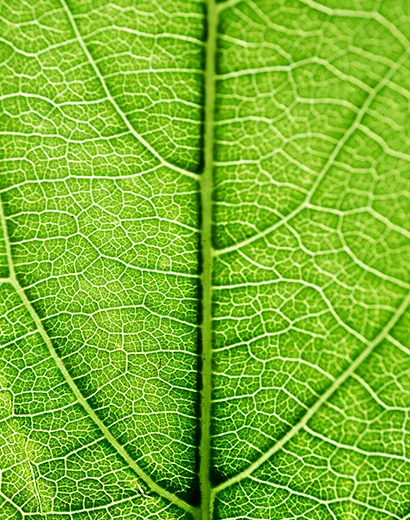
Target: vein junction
column 304, row 298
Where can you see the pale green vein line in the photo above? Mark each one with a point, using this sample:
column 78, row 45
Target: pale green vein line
column 112, row 100
column 35, row 486
column 365, row 15
column 221, row 6
column 329, row 163
column 12, row 275
column 325, row 502
column 12, row 504
column 323, row 398
column 357, row 449
column 206, row 251
column 74, row 388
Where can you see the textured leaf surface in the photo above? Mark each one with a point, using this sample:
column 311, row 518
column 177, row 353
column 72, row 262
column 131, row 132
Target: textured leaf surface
column 181, row 180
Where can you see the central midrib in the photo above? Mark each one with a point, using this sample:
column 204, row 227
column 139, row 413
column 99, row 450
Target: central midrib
column 206, row 254
column 206, row 180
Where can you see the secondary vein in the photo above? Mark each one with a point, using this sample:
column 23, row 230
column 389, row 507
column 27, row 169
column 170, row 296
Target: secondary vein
column 74, row 388
column 206, row 253
column 324, row 397
column 113, row 102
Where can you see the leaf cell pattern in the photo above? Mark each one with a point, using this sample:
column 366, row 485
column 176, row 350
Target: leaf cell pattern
column 130, row 131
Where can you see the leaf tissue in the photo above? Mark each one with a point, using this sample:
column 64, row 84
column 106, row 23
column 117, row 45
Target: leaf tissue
column 204, row 260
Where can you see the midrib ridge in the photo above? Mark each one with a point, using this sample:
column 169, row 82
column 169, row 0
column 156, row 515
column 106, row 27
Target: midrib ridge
column 206, row 260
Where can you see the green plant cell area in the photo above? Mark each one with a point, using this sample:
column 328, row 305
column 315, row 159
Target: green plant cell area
column 204, row 260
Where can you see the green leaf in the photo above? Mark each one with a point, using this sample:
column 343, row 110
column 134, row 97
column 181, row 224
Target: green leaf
column 204, row 260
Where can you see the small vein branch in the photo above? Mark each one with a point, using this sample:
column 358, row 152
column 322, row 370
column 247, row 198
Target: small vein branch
column 113, row 101
column 329, row 163
column 324, row 397
column 74, row 388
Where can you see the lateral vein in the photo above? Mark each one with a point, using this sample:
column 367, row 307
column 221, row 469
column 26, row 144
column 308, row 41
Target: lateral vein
column 323, row 398
column 74, row 388
column 124, row 118
column 329, row 163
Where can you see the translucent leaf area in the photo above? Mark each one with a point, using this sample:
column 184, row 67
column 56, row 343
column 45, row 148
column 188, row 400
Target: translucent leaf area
column 204, row 260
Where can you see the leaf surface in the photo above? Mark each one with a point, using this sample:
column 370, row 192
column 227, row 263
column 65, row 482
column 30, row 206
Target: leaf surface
column 204, row 260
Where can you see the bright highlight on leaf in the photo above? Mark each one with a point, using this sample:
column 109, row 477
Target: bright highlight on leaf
column 204, row 260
